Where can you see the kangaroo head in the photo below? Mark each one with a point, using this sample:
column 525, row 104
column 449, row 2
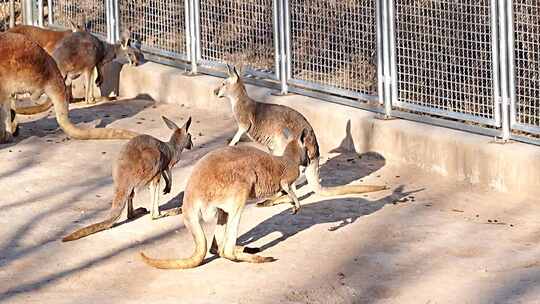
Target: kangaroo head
column 230, row 86
column 296, row 148
column 181, row 139
column 132, row 55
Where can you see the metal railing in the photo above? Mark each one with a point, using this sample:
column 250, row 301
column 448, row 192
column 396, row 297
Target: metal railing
column 92, row 12
column 469, row 64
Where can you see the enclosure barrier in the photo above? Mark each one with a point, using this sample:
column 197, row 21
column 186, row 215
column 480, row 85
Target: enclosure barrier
column 470, row 64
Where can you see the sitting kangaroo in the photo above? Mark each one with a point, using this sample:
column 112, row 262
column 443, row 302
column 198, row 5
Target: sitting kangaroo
column 141, row 162
column 262, row 122
column 26, row 68
column 222, row 181
column 82, row 53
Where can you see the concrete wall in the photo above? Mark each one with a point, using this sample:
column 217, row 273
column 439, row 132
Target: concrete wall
column 464, row 156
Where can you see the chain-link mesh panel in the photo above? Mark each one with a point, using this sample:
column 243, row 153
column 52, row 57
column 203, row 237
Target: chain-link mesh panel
column 239, row 32
column 527, row 62
column 5, row 13
column 444, row 58
column 333, row 43
column 160, row 25
column 91, row 11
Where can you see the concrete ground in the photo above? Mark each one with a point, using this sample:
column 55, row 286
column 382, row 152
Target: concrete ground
column 426, row 240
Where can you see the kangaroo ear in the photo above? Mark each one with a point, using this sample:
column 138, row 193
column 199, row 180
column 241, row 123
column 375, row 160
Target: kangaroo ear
column 74, row 27
column 169, row 123
column 233, row 74
column 187, row 124
column 124, row 38
column 303, row 136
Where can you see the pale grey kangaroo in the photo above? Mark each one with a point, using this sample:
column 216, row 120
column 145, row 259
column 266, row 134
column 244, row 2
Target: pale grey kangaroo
column 141, row 162
column 263, row 123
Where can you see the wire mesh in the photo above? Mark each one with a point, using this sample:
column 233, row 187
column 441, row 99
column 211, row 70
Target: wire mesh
column 5, row 13
column 334, row 44
column 240, row 32
column 159, row 25
column 91, row 11
column 444, row 58
column 527, row 62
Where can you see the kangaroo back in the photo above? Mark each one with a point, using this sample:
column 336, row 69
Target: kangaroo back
column 47, row 39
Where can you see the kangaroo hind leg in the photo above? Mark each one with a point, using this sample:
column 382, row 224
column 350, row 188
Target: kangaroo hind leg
column 234, row 252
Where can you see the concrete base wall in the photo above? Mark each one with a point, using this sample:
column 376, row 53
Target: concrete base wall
column 460, row 155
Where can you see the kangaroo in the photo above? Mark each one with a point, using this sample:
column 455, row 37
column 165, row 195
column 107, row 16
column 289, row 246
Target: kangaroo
column 48, row 40
column 81, row 53
column 262, row 122
column 26, row 68
column 222, row 181
column 142, row 162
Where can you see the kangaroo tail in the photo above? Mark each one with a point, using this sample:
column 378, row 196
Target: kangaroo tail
column 119, row 203
column 193, row 223
column 312, row 175
column 30, row 110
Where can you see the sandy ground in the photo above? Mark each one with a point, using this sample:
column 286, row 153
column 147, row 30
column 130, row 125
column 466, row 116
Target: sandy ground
column 426, row 240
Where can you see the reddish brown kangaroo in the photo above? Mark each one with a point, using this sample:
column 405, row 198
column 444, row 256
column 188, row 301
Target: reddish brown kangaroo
column 222, row 181
column 48, row 40
column 26, row 68
column 81, row 53
column 263, row 123
column 142, row 162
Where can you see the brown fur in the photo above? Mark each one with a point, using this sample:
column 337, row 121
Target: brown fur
column 48, row 39
column 263, row 123
column 26, row 68
column 221, row 183
column 141, row 162
column 81, row 53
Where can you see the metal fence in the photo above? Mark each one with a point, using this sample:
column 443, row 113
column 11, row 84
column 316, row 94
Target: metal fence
column 526, row 65
column 92, row 12
column 469, row 64
column 160, row 26
column 10, row 13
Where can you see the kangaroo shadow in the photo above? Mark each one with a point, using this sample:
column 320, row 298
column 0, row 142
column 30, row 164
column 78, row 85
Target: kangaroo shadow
column 99, row 116
column 339, row 211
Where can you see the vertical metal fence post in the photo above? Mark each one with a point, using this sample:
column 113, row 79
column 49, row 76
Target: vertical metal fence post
column 193, row 11
column 108, row 20
column 380, row 43
column 116, row 25
column 389, row 73
column 283, row 29
column 276, row 35
column 504, row 84
column 511, row 62
column 40, row 12
column 50, row 19
column 11, row 13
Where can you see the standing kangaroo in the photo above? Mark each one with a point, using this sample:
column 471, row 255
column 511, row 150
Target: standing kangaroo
column 221, row 182
column 26, row 68
column 81, row 53
column 263, row 123
column 142, row 162
column 48, row 40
